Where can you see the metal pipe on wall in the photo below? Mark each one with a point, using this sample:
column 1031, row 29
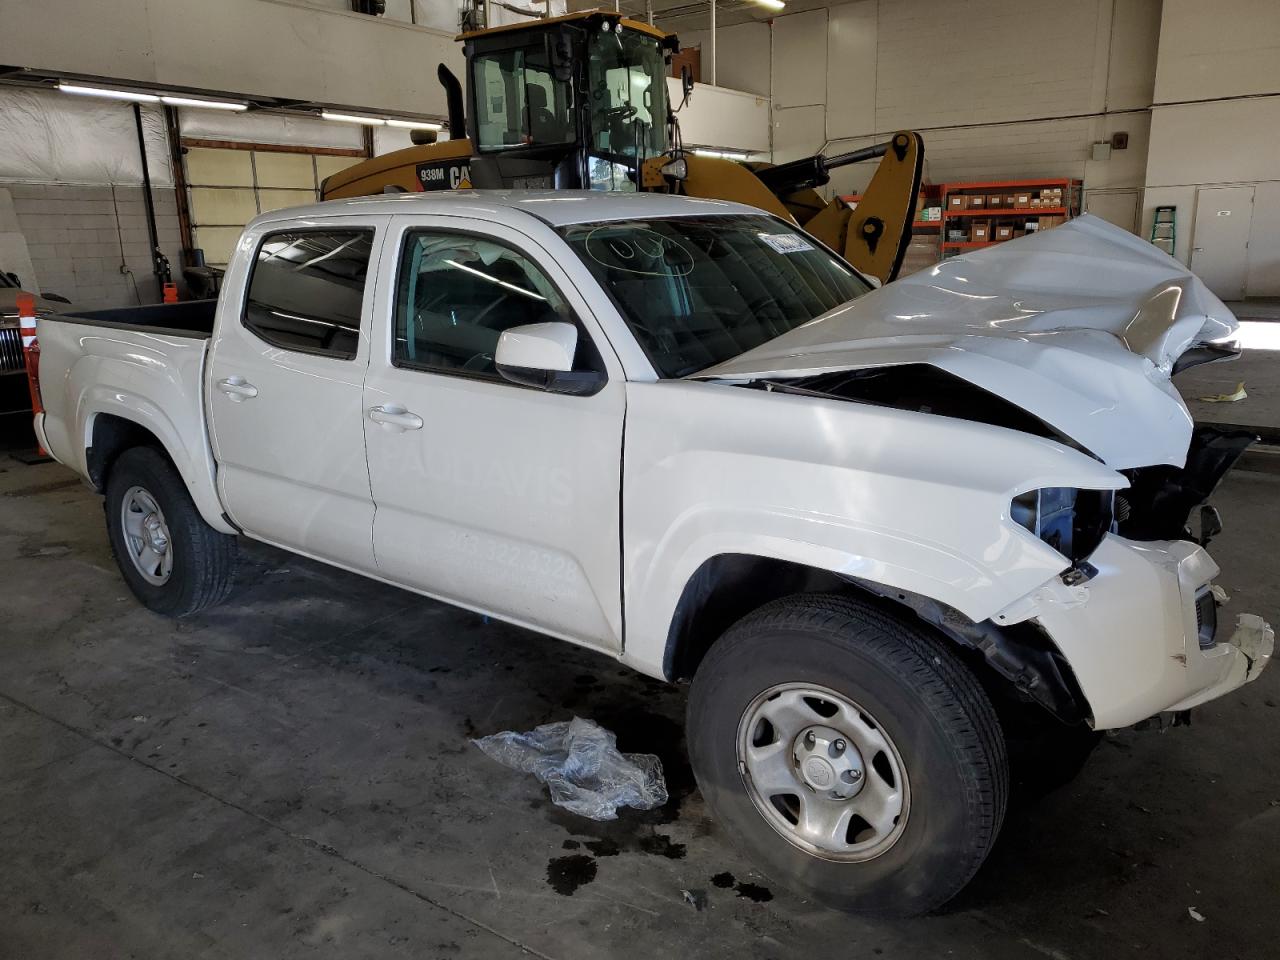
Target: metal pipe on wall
column 159, row 262
column 713, row 42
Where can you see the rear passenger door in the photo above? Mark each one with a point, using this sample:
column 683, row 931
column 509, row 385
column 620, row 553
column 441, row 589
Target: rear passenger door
column 284, row 387
column 493, row 495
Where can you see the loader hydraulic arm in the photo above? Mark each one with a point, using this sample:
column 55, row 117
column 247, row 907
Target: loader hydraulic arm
column 873, row 237
column 809, row 172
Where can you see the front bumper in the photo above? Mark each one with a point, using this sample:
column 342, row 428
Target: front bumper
column 1132, row 636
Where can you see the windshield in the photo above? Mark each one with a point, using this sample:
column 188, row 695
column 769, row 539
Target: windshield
column 697, row 291
column 518, row 100
column 627, row 80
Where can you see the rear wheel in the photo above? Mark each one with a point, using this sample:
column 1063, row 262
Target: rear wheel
column 850, row 753
column 173, row 561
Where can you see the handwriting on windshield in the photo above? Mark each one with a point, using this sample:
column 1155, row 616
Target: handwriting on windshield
column 639, row 251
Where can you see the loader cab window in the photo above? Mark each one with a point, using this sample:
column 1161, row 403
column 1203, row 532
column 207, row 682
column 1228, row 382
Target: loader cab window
column 627, row 80
column 518, row 102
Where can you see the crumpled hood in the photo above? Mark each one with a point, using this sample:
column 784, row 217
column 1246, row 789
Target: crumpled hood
column 1079, row 325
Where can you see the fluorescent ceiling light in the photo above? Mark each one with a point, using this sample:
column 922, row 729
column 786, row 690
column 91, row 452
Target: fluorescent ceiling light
column 352, row 118
column 770, row 4
column 109, row 94
column 206, row 104
column 722, row 154
column 415, row 124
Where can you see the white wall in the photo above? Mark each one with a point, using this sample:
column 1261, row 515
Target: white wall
column 742, row 61
column 1228, row 48
column 271, row 48
column 1001, row 88
column 1216, row 120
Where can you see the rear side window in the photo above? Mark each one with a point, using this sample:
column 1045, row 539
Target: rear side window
column 307, row 289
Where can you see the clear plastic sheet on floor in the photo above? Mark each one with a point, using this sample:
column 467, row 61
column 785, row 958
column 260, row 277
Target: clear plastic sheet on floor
column 580, row 763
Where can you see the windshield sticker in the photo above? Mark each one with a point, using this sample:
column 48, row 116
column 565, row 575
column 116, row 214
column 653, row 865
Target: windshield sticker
column 785, row 242
column 637, row 250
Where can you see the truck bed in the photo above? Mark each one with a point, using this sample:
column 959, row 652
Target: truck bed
column 191, row 318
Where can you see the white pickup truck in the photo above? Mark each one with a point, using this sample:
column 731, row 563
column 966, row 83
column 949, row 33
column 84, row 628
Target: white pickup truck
column 888, row 534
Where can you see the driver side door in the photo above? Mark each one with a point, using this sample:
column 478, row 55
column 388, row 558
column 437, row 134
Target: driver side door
column 492, row 495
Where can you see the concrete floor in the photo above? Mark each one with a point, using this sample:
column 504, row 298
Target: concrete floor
column 290, row 775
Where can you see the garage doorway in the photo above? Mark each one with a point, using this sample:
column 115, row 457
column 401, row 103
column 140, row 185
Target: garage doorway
column 1220, row 240
column 229, row 184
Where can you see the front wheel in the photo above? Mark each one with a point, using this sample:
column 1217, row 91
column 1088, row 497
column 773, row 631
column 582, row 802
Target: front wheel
column 173, row 561
column 850, row 753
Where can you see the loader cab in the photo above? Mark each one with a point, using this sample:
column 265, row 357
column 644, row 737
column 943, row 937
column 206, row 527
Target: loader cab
column 575, row 102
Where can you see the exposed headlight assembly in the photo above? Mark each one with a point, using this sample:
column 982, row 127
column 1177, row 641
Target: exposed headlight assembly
column 1071, row 521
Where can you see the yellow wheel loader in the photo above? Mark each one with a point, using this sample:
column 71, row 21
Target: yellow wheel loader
column 580, row 102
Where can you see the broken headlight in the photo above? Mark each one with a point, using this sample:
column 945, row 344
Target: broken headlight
column 1071, row 521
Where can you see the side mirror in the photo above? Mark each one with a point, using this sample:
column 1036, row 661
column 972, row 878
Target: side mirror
column 541, row 355
column 686, row 80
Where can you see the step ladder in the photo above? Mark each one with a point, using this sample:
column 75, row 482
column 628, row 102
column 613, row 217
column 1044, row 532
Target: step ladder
column 1164, row 228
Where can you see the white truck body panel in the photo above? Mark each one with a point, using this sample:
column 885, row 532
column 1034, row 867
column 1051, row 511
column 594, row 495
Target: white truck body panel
column 291, row 465
column 152, row 379
column 1079, row 325
column 585, row 517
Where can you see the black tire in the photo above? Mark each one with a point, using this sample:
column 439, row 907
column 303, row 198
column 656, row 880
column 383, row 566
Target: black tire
column 1044, row 753
column 919, row 693
column 203, row 560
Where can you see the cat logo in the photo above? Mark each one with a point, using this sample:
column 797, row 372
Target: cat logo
column 443, row 174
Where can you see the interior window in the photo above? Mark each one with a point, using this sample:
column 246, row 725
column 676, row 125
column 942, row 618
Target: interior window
column 628, row 97
column 456, row 295
column 518, row 100
column 307, row 289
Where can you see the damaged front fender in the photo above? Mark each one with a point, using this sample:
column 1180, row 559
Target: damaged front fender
column 1160, row 498
column 1023, row 653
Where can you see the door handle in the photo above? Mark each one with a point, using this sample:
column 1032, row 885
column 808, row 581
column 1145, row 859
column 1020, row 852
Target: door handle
column 1197, row 249
column 237, row 389
column 395, row 417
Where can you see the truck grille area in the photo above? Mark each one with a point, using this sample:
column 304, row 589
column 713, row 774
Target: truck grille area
column 1206, row 618
column 11, row 360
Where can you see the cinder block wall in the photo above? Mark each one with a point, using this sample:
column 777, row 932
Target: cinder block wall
column 82, row 239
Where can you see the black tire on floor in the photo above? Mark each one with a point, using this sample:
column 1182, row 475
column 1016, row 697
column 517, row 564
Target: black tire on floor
column 919, row 693
column 203, row 558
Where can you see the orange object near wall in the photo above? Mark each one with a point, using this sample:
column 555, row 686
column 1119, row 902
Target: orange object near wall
column 26, row 304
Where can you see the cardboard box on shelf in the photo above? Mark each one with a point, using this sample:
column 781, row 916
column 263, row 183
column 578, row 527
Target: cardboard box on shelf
column 995, row 201
column 1035, row 202
column 921, row 253
column 957, row 201
column 980, row 230
column 1047, row 223
column 1002, row 231
column 1022, row 199
column 977, row 202
column 1009, row 200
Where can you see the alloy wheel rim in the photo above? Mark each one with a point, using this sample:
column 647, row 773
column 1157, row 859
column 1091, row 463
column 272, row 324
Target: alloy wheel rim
column 823, row 772
column 146, row 536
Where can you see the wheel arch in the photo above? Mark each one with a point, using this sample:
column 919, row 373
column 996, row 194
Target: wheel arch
column 108, row 434
column 729, row 586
